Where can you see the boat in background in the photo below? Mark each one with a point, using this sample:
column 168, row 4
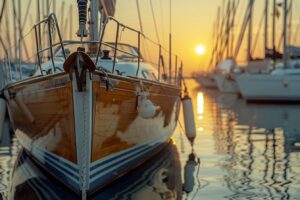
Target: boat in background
column 282, row 83
column 225, row 77
column 88, row 117
column 205, row 80
column 279, row 85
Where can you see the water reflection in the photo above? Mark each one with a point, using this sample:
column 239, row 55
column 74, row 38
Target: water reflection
column 260, row 146
column 158, row 178
column 8, row 152
column 191, row 177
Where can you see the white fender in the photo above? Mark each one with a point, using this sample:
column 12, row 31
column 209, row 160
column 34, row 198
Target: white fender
column 189, row 121
column 189, row 179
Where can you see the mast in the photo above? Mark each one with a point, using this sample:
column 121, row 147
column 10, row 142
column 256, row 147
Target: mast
column 8, row 32
column 54, row 6
column 266, row 24
column 1, row 16
column 82, row 6
column 273, row 33
column 94, row 25
column 290, row 24
column 15, row 27
column 71, row 21
column 170, row 44
column 228, row 28
column 38, row 11
column 285, row 50
column 234, row 5
column 2, row 11
column 249, row 56
column 218, row 28
column 20, row 38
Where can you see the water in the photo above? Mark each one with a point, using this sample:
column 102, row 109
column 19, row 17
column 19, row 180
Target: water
column 241, row 151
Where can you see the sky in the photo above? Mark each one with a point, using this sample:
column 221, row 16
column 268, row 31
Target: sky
column 192, row 24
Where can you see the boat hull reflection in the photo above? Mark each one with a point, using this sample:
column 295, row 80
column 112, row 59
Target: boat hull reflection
column 158, row 178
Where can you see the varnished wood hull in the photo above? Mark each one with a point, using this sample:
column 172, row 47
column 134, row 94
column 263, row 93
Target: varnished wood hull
column 63, row 128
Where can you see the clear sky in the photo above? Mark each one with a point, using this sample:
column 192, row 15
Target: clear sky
column 192, row 23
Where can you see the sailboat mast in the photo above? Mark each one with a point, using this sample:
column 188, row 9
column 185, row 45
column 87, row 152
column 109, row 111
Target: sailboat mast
column 38, row 11
column 227, row 33
column 249, row 56
column 170, row 43
column 71, row 22
column 234, row 5
column 15, row 27
column 266, row 24
column 285, row 50
column 94, row 25
column 82, row 5
column 273, row 33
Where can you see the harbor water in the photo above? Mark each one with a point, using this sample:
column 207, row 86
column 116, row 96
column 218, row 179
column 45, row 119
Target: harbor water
column 241, row 151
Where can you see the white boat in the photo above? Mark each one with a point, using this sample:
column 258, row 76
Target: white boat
column 282, row 84
column 226, row 83
column 225, row 77
column 205, row 80
column 279, row 85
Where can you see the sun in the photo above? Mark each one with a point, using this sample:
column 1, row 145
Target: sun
column 200, row 49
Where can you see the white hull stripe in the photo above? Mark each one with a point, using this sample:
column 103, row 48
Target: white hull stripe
column 128, row 163
column 111, row 166
column 40, row 187
column 53, row 168
column 101, row 170
column 59, row 163
column 106, row 165
column 108, row 159
column 64, row 165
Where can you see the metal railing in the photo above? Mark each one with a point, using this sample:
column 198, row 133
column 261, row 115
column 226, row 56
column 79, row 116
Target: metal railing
column 52, row 24
column 178, row 69
column 5, row 72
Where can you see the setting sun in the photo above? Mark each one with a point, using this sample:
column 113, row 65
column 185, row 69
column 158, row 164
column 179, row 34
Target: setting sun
column 200, row 49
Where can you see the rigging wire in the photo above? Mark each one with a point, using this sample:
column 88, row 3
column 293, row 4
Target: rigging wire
column 258, row 33
column 1, row 16
column 296, row 32
column 170, row 17
column 162, row 23
column 154, row 21
column 242, row 32
column 26, row 15
column 2, row 10
column 139, row 15
column 144, row 42
column 282, row 34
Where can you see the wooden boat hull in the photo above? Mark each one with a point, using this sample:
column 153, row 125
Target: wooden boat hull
column 88, row 138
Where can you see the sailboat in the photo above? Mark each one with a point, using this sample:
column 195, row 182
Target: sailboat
column 89, row 117
column 281, row 84
column 225, row 77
